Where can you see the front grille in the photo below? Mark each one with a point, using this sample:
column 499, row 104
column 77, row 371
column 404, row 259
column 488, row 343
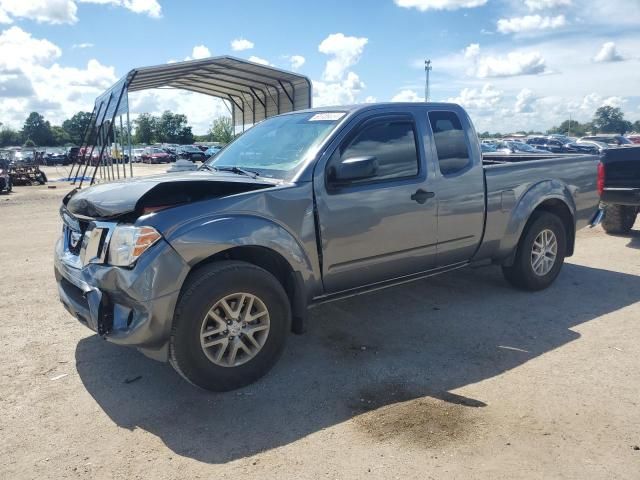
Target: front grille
column 74, row 237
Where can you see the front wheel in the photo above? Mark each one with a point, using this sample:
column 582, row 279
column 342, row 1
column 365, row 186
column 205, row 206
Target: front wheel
column 230, row 326
column 540, row 253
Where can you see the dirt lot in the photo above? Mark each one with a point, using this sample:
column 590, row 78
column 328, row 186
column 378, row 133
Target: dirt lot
column 459, row 376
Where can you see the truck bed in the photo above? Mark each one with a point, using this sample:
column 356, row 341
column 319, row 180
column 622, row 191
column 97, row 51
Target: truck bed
column 514, row 182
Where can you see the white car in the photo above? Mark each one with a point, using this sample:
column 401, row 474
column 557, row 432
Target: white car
column 137, row 154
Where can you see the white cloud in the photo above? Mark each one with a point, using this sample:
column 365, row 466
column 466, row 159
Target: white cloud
column 345, row 52
column 486, row 98
column 344, row 92
column 472, row 51
column 259, row 60
column 608, row 53
column 510, row 65
column 407, row 95
column 296, row 61
column 19, row 48
column 525, row 101
column 82, row 45
column 590, row 103
column 198, row 52
column 534, row 5
column 41, row 11
column 240, row 44
column 530, row 23
column 65, row 11
column 149, row 7
column 424, row 5
column 199, row 109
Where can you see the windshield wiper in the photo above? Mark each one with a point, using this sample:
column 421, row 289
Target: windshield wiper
column 237, row 170
column 204, row 166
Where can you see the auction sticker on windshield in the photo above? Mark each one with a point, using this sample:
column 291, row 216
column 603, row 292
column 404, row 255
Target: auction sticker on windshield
column 326, row 116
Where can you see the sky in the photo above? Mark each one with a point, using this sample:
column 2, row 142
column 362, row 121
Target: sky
column 514, row 65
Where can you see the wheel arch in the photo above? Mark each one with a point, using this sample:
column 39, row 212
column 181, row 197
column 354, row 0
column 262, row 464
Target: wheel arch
column 274, row 263
column 550, row 196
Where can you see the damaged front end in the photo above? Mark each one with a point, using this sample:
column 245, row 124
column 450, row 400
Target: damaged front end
column 118, row 276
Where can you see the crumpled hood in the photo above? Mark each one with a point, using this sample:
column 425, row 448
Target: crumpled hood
column 114, row 199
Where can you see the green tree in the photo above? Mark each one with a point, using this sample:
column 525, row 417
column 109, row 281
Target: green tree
column 636, row 126
column 60, row 136
column 571, row 127
column 173, row 128
column 10, row 137
column 37, row 129
column 29, row 143
column 76, row 126
column 145, row 128
column 221, row 130
column 609, row 119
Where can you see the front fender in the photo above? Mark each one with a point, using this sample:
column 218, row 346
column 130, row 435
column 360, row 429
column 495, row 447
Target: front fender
column 196, row 242
column 526, row 204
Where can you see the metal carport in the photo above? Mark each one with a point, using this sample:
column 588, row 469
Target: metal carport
column 253, row 91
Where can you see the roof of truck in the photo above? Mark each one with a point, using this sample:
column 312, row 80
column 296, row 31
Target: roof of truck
column 366, row 106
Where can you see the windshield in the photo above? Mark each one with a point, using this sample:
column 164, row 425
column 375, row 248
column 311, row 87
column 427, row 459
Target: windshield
column 277, row 146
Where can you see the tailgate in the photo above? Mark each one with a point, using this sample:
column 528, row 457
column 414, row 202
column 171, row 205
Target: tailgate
column 622, row 167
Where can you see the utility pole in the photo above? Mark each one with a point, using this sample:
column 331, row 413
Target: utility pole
column 427, row 86
column 569, row 126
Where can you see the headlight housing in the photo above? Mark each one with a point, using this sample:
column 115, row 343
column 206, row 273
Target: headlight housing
column 128, row 242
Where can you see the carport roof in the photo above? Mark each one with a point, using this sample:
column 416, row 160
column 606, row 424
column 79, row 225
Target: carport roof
column 255, row 91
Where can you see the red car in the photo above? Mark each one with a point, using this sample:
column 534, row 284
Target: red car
column 155, row 155
column 634, row 138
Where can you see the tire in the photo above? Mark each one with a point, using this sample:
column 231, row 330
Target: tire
column 202, row 291
column 522, row 274
column 619, row 219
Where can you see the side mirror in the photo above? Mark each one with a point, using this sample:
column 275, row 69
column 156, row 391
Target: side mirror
column 356, row 168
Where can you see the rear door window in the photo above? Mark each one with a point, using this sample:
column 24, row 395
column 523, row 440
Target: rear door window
column 450, row 141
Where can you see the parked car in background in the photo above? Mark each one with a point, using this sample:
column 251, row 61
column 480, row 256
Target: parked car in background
column 155, row 155
column 212, row 151
column 487, row 148
column 72, row 154
column 634, row 138
column 5, row 178
column 612, row 140
column 189, row 152
column 210, row 270
column 203, row 148
column 560, row 144
column 598, row 147
column 619, row 188
column 517, row 147
column 171, row 152
column 56, row 158
column 137, row 154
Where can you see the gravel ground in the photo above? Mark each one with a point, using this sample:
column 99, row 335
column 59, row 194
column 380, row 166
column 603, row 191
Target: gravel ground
column 459, row 376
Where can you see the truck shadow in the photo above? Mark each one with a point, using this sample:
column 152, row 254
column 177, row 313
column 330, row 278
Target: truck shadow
column 363, row 356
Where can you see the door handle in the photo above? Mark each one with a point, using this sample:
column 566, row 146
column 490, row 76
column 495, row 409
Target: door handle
column 421, row 196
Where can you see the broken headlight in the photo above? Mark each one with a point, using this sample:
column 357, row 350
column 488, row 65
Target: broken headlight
column 129, row 242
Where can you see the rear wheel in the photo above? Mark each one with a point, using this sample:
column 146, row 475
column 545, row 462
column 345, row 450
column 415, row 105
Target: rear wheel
column 230, row 326
column 619, row 219
column 540, row 253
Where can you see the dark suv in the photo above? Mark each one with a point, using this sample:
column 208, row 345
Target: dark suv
column 560, row 145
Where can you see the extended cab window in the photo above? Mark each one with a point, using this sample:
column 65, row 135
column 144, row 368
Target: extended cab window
column 391, row 142
column 451, row 145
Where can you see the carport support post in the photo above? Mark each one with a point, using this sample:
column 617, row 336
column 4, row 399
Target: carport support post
column 129, row 137
column 124, row 165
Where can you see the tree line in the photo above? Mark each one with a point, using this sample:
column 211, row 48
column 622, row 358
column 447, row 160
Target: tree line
column 606, row 120
column 148, row 129
column 174, row 128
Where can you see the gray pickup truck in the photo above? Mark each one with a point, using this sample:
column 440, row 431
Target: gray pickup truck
column 212, row 269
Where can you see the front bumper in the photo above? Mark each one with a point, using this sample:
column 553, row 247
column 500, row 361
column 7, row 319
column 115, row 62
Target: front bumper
column 127, row 306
